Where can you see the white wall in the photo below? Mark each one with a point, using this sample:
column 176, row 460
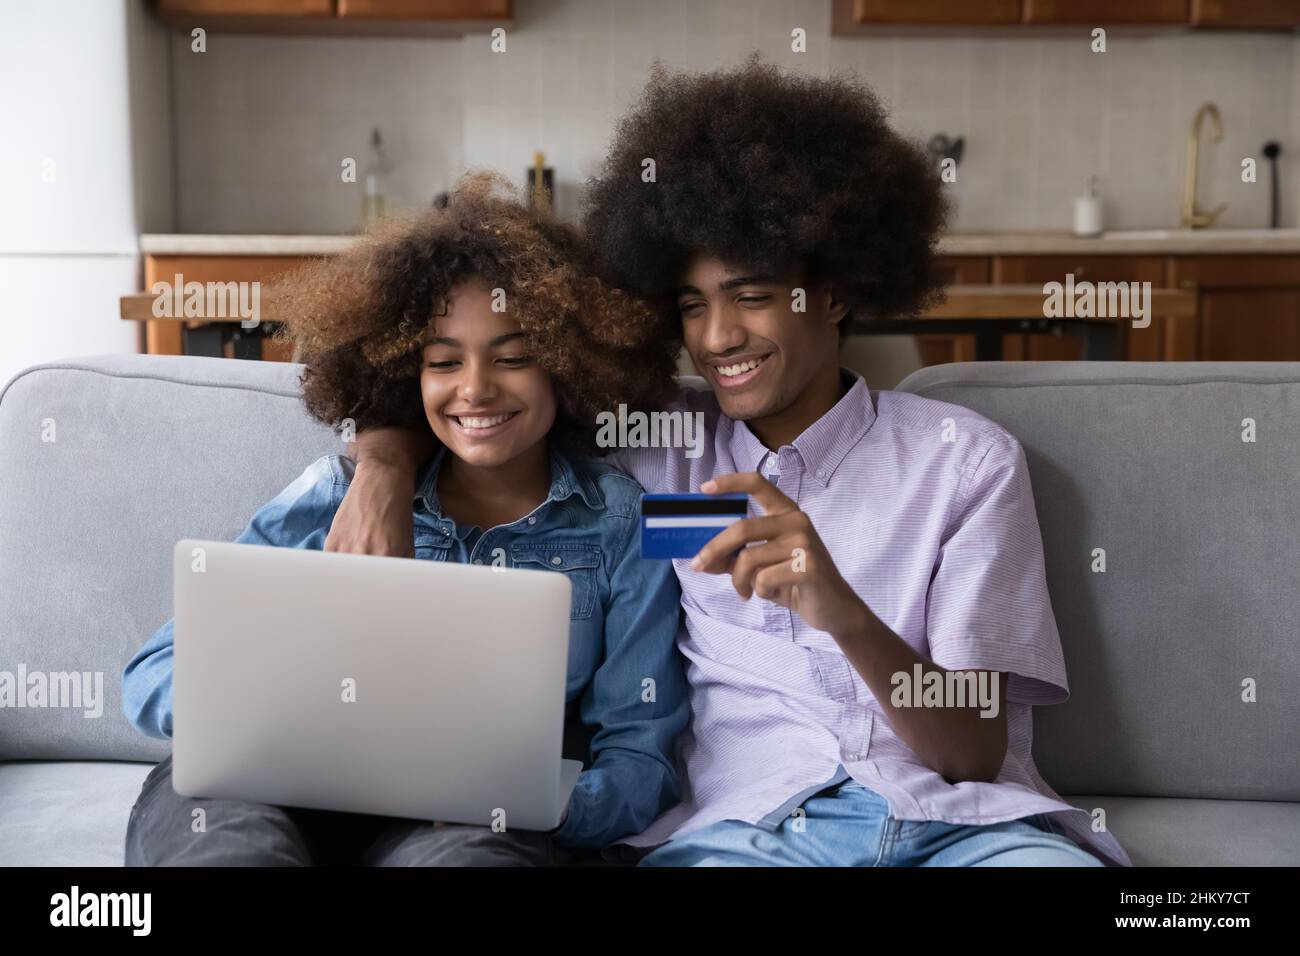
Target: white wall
column 264, row 123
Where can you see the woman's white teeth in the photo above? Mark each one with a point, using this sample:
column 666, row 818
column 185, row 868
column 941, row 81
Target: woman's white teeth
column 730, row 370
column 483, row 422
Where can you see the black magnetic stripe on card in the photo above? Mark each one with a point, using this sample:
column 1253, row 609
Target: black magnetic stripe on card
column 724, row 506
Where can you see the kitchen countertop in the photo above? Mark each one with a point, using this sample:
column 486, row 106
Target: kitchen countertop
column 1120, row 242
column 1123, row 242
column 183, row 244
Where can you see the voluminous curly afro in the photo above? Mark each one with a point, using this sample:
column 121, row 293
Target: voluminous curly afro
column 761, row 169
column 356, row 319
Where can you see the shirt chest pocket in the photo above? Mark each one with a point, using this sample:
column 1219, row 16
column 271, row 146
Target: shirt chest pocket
column 579, row 561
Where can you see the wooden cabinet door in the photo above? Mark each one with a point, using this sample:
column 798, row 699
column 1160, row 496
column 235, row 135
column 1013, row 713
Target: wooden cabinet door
column 1235, row 272
column 1254, row 14
column 1249, row 306
column 1039, row 270
column 247, row 8
column 425, row 9
column 931, row 12
column 1035, row 270
column 965, row 270
column 1255, row 325
column 1106, row 12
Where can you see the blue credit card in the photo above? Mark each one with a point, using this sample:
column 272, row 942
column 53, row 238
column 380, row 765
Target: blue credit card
column 677, row 526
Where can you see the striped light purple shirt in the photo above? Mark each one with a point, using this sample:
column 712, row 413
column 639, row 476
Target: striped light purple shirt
column 927, row 510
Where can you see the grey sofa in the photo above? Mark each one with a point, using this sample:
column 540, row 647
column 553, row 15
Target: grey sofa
column 1201, row 533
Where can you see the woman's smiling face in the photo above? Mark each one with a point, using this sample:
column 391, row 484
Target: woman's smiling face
column 485, row 397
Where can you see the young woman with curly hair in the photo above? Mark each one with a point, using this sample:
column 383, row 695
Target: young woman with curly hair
column 482, row 324
column 898, row 541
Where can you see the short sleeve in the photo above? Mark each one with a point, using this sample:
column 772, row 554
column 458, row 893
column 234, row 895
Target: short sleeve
column 988, row 606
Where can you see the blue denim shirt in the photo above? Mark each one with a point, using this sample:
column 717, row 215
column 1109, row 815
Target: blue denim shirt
column 623, row 624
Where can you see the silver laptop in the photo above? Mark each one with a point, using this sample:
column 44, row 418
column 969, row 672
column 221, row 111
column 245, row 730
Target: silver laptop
column 389, row 686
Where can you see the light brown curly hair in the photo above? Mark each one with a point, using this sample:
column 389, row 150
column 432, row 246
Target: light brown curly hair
column 356, row 319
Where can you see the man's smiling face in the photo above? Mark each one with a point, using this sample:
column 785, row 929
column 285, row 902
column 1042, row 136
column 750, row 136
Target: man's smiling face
column 745, row 337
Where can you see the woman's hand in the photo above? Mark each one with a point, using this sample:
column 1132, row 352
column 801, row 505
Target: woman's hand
column 375, row 516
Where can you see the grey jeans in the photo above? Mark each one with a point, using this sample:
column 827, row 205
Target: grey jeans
column 162, row 832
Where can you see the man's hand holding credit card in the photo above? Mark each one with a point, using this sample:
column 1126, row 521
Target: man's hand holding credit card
column 677, row 526
column 777, row 556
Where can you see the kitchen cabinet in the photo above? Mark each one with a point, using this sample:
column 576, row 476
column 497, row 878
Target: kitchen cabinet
column 246, row 8
column 1249, row 306
column 850, row 17
column 936, row 349
column 338, row 17
column 426, row 9
column 965, row 270
column 1107, row 12
column 848, row 14
column 1011, row 270
column 1250, row 325
column 1246, row 14
column 1039, row 270
column 169, row 336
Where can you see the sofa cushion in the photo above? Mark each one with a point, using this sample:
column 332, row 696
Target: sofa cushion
column 1157, row 831
column 1201, row 590
column 67, row 813
column 74, row 813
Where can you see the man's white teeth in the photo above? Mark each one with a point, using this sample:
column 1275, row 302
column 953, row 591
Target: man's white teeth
column 730, row 370
column 482, row 422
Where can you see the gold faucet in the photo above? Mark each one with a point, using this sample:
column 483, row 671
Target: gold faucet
column 1193, row 218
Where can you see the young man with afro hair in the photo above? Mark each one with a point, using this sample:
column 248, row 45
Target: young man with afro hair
column 894, row 548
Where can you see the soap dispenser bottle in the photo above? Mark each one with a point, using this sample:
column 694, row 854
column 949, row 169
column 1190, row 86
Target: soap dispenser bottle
column 1087, row 212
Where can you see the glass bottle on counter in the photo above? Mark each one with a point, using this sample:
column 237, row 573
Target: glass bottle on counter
column 374, row 197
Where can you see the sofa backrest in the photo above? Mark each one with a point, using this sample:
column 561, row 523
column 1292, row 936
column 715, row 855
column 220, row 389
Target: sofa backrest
column 1201, row 589
column 105, row 462
column 145, row 450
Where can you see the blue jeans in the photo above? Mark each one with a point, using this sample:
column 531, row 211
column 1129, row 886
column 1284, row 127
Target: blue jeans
column 851, row 826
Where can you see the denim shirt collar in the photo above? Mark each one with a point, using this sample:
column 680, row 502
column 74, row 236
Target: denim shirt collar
column 565, row 482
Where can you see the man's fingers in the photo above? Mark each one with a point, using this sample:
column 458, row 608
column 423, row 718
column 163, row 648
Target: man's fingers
column 755, row 559
column 777, row 581
column 769, row 497
column 713, row 557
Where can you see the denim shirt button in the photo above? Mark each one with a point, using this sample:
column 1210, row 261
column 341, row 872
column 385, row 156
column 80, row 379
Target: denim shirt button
column 532, row 521
column 557, row 560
